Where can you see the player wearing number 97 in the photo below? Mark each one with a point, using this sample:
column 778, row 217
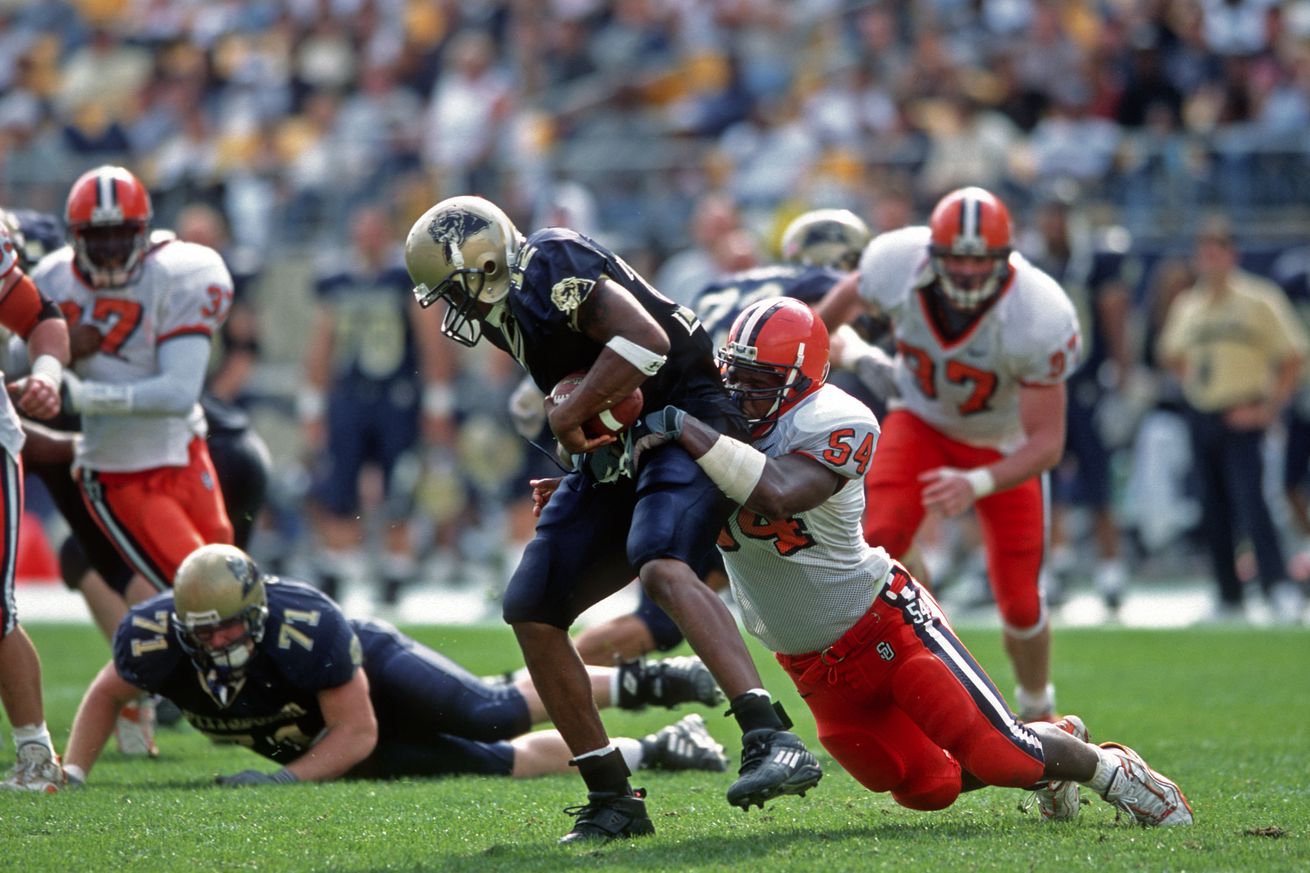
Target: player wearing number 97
column 273, row 665
column 985, row 341
column 150, row 303
column 897, row 698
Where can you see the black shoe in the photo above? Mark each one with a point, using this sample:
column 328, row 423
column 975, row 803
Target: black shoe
column 684, row 745
column 391, row 589
column 667, row 683
column 608, row 816
column 773, row 763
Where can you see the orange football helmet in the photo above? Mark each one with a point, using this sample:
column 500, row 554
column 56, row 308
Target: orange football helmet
column 970, row 246
column 108, row 215
column 777, row 353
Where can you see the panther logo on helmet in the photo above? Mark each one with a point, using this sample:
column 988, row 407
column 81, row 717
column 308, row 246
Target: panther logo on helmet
column 462, row 251
column 452, row 228
column 777, row 353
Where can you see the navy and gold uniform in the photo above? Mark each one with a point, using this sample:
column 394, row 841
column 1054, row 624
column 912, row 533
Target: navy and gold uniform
column 597, row 529
column 434, row 717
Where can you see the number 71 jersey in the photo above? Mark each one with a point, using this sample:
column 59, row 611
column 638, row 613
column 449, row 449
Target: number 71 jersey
column 967, row 387
column 184, row 289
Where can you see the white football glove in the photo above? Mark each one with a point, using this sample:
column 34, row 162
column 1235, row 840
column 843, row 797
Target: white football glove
column 874, row 367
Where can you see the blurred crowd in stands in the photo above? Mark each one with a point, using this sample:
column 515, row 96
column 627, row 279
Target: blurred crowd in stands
column 685, row 134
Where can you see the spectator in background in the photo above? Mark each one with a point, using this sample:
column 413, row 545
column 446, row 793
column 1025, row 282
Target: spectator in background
column 467, row 115
column 685, row 272
column 373, row 372
column 1097, row 277
column 1235, row 344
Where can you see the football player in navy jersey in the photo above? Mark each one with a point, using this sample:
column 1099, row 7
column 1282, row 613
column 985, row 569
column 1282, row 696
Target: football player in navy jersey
column 273, row 664
column 817, row 246
column 560, row 302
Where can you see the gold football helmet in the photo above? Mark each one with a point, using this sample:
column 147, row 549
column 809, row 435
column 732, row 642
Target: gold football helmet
column 216, row 588
column 825, row 238
column 461, row 251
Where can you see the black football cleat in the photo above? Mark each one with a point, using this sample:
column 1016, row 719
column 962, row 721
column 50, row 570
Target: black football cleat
column 667, row 683
column 773, row 763
column 608, row 816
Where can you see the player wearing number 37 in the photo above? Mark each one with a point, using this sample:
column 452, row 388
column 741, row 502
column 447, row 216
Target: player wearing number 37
column 142, row 307
column 985, row 341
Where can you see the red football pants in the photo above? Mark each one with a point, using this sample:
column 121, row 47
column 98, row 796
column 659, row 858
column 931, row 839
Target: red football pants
column 1012, row 522
column 157, row 517
column 903, row 706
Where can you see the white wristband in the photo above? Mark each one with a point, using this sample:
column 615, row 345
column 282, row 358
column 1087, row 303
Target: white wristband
column 734, row 466
column 48, row 369
column 310, row 404
column 438, row 400
column 642, row 358
column 981, row 480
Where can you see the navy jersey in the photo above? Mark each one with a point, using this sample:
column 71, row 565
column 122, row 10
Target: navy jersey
column 373, row 340
column 555, row 271
column 719, row 303
column 308, row 646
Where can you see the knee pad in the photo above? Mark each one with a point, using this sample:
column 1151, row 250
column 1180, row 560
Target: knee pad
column 73, row 564
column 1023, row 617
column 663, row 629
column 927, row 794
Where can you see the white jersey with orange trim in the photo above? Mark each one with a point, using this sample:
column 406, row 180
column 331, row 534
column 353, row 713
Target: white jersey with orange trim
column 968, row 387
column 802, row 582
column 11, row 428
column 183, row 289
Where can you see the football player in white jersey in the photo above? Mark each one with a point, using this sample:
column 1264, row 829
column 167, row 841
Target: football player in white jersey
column 897, row 698
column 145, row 307
column 985, row 341
column 36, row 319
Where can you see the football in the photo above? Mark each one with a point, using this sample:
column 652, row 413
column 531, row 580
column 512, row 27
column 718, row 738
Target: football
column 612, row 421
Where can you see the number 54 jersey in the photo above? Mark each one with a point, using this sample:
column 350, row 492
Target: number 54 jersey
column 803, row 581
column 966, row 385
column 183, row 289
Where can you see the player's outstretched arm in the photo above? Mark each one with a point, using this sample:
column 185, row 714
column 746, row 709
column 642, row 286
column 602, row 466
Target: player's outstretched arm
column 352, row 732
column 842, row 303
column 94, row 721
column 773, row 487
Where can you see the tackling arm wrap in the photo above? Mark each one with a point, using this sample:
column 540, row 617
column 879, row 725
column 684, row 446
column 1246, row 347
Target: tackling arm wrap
column 182, row 362
column 734, row 466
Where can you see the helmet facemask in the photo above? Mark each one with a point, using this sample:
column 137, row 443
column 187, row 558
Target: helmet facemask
column 777, row 352
column 968, row 289
column 220, row 608
column 110, row 254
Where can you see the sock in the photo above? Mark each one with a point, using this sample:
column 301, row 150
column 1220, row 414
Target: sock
column 1034, row 704
column 1106, row 764
column 604, row 770
column 633, row 752
column 33, row 733
column 754, row 710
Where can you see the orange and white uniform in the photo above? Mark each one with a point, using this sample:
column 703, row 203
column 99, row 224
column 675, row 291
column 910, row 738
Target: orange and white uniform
column 897, row 699
column 141, row 456
column 958, row 404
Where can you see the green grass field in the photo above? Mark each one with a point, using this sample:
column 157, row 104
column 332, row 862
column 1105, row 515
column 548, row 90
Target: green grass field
column 1225, row 712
